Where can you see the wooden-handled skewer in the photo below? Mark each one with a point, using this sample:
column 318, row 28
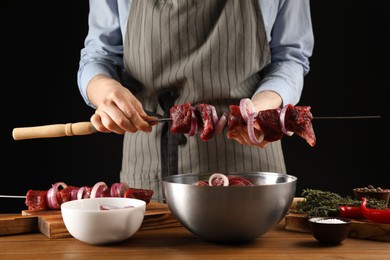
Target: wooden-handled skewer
column 57, row 130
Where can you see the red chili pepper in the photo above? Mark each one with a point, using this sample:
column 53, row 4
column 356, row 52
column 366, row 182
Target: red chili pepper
column 350, row 212
column 376, row 215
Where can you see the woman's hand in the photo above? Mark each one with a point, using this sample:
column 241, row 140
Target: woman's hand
column 240, row 134
column 118, row 110
column 261, row 101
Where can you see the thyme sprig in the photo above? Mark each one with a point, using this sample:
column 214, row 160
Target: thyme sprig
column 319, row 203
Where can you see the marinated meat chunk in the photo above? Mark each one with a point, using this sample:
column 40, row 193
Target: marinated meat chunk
column 205, row 121
column 36, row 199
column 234, row 118
column 270, row 124
column 181, row 118
column 298, row 120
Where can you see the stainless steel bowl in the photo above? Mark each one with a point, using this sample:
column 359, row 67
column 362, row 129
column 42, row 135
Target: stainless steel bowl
column 232, row 213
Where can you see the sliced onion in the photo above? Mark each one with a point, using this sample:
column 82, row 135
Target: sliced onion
column 219, row 177
column 99, row 190
column 52, row 201
column 246, row 105
column 221, row 123
column 110, row 207
column 80, row 193
column 115, row 191
column 194, row 124
column 282, row 116
column 73, row 193
column 251, row 130
column 214, row 115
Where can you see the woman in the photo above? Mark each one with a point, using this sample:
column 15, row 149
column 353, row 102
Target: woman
column 148, row 55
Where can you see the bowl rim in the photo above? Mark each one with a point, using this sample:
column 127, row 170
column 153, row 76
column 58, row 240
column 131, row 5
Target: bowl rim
column 371, row 192
column 314, row 220
column 290, row 178
column 139, row 203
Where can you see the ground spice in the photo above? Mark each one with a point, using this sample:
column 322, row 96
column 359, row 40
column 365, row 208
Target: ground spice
column 331, row 221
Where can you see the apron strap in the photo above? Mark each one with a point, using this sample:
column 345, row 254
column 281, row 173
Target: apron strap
column 169, row 142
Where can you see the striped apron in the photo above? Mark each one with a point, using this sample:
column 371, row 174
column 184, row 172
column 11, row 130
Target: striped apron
column 197, row 51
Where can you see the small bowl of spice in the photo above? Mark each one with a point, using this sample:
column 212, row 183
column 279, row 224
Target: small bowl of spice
column 372, row 192
column 330, row 230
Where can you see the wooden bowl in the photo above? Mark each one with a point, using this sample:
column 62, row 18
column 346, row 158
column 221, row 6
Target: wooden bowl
column 371, row 192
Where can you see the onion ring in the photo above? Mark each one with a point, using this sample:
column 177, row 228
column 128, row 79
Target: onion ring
column 218, row 177
column 80, row 193
column 118, row 189
column 244, row 108
column 282, row 117
column 52, row 200
column 194, row 124
column 73, row 193
column 214, row 115
column 251, row 130
column 221, row 123
column 99, row 190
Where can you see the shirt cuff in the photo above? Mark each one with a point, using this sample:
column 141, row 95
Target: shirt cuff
column 87, row 73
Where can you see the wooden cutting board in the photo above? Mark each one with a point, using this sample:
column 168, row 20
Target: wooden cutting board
column 11, row 224
column 361, row 229
column 50, row 222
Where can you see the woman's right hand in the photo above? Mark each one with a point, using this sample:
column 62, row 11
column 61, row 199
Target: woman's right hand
column 118, row 110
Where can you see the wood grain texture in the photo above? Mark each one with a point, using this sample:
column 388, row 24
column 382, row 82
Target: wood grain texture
column 179, row 243
column 11, row 224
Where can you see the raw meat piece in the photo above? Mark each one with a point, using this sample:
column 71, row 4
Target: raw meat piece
column 141, row 194
column 36, row 199
column 65, row 194
column 234, row 119
column 239, row 181
column 181, row 118
column 270, row 124
column 205, row 122
column 298, row 120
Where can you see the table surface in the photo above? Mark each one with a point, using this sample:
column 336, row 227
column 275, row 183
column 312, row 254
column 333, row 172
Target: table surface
column 178, row 243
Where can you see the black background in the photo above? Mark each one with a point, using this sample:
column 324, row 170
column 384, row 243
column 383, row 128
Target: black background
column 40, row 49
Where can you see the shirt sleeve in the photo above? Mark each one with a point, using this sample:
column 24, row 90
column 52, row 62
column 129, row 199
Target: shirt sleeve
column 103, row 45
column 291, row 43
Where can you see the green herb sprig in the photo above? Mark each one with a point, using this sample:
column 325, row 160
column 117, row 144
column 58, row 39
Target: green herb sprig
column 319, row 203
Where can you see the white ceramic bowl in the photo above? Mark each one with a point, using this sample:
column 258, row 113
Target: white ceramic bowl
column 87, row 223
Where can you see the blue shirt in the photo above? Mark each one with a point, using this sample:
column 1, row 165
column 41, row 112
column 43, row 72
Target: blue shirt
column 287, row 23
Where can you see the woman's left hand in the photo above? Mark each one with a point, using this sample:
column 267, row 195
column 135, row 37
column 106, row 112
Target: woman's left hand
column 240, row 134
column 261, row 101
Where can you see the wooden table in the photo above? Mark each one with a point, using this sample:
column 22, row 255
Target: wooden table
column 178, row 243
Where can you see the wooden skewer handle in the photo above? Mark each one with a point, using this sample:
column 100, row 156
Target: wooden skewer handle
column 57, row 130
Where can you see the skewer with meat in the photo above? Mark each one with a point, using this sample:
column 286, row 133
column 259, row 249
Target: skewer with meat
column 61, row 192
column 274, row 123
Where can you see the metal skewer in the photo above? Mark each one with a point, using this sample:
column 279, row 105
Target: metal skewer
column 12, row 196
column 347, row 117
